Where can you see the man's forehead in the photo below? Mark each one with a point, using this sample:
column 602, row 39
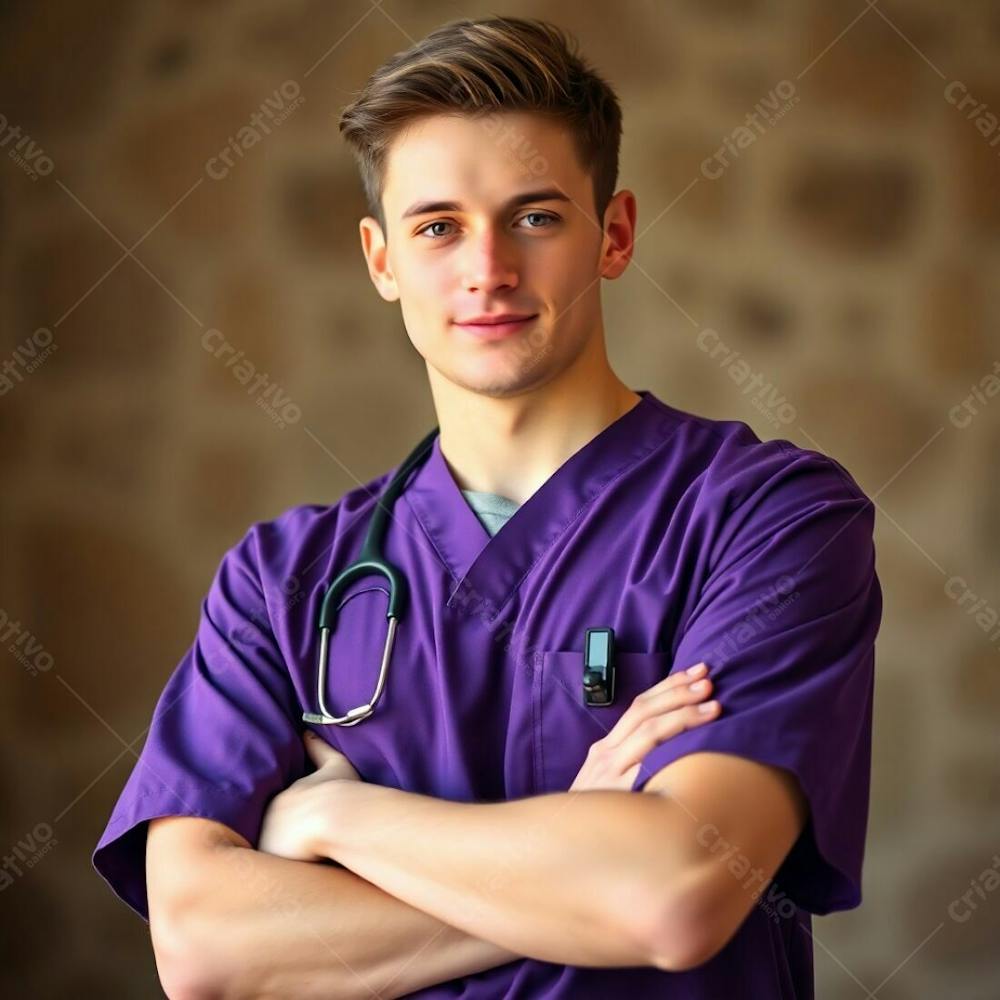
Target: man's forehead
column 447, row 158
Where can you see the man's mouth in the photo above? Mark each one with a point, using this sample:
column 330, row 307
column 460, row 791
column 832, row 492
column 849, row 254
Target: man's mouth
column 496, row 327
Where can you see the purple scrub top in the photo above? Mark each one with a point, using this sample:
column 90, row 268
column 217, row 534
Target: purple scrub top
column 690, row 537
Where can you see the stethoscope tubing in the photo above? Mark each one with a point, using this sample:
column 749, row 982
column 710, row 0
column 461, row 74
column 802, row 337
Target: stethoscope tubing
column 371, row 560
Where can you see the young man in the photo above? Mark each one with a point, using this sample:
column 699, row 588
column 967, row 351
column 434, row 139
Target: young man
column 489, row 829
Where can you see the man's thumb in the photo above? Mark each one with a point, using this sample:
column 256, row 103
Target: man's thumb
column 316, row 748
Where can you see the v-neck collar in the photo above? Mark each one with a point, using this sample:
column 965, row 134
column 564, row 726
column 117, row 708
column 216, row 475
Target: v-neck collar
column 488, row 570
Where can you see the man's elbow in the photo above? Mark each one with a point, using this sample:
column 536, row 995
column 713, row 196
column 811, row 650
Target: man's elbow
column 674, row 956
column 187, row 965
column 686, row 932
column 178, row 984
column 178, row 965
column 182, row 861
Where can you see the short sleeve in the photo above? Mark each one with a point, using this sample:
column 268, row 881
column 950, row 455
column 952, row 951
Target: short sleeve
column 225, row 732
column 786, row 619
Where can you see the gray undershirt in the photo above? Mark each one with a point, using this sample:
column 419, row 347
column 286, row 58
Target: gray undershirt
column 492, row 509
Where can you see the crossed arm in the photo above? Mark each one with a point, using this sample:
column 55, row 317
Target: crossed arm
column 432, row 888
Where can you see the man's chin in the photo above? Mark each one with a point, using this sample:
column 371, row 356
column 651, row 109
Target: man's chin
column 498, row 385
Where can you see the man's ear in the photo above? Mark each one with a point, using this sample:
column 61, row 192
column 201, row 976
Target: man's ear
column 377, row 256
column 619, row 234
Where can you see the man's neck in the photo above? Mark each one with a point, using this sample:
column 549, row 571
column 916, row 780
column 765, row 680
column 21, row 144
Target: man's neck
column 511, row 445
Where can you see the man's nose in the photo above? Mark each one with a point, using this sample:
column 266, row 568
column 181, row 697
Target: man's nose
column 491, row 262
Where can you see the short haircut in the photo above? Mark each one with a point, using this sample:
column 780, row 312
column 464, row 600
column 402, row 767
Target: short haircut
column 479, row 68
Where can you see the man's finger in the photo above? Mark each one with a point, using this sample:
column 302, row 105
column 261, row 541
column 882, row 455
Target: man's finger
column 319, row 750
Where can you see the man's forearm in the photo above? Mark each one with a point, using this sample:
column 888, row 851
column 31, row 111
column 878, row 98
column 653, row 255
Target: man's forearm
column 579, row 878
column 255, row 925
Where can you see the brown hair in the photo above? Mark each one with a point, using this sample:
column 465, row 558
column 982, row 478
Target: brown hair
column 479, row 67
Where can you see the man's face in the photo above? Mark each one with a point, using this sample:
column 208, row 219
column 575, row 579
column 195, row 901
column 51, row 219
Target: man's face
column 492, row 251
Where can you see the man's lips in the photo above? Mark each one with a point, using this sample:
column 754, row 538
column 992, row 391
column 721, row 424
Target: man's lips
column 483, row 319
column 495, row 328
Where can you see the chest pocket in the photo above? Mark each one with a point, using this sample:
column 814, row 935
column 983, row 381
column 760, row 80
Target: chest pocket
column 564, row 727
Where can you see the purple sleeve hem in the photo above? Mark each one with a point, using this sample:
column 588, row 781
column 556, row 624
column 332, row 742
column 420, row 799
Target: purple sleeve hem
column 120, row 855
column 815, row 875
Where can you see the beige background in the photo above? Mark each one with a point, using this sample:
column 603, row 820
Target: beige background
column 848, row 253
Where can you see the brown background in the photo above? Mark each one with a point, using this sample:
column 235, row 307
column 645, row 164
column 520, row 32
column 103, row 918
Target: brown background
column 848, row 253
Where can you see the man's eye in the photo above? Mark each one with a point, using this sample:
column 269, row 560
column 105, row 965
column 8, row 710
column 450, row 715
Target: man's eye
column 545, row 216
column 431, row 225
column 538, row 215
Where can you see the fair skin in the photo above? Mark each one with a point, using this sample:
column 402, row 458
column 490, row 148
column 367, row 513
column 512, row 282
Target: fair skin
column 510, row 412
column 281, row 925
column 454, row 888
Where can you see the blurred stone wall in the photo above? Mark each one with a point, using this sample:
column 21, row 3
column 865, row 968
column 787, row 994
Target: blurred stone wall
column 842, row 246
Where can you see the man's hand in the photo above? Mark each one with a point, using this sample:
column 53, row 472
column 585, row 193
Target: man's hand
column 294, row 818
column 666, row 709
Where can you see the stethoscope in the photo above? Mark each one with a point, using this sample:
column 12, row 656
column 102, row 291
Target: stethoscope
column 599, row 643
column 370, row 560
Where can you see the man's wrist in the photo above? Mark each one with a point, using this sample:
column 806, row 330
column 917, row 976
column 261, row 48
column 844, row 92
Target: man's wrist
column 331, row 815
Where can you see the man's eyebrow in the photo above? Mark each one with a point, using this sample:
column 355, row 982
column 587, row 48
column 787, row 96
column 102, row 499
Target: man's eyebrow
column 545, row 194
